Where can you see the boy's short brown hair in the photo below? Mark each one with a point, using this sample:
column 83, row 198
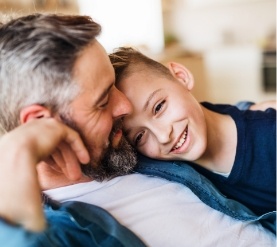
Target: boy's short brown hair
column 127, row 60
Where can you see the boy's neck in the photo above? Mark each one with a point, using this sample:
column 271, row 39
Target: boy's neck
column 221, row 142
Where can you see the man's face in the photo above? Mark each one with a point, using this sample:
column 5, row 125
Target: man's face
column 98, row 107
column 166, row 122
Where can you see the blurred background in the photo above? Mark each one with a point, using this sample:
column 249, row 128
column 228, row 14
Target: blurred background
column 228, row 45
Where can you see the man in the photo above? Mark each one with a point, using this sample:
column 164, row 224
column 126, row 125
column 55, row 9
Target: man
column 53, row 71
column 52, row 67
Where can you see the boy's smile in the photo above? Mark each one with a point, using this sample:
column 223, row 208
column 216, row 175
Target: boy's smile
column 182, row 140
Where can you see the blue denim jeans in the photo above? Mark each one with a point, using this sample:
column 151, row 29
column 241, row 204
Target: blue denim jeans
column 203, row 189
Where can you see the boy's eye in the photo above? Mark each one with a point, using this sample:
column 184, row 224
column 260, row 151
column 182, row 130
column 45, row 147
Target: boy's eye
column 159, row 107
column 138, row 138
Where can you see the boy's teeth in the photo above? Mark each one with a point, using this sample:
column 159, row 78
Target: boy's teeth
column 182, row 140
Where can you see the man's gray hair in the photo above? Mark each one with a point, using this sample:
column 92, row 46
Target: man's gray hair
column 37, row 57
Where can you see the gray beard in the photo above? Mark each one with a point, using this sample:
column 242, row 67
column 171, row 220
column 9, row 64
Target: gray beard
column 114, row 161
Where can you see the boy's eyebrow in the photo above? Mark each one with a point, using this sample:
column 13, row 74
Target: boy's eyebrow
column 150, row 98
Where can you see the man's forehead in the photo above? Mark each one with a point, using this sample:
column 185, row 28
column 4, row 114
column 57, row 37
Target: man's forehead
column 93, row 70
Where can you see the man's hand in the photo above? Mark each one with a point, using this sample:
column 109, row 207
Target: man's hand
column 20, row 151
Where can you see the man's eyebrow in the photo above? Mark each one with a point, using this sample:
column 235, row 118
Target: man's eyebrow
column 150, row 98
column 104, row 94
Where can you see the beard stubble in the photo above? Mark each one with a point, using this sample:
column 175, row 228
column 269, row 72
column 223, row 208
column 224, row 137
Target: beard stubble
column 113, row 161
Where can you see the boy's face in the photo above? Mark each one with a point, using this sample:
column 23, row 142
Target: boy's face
column 167, row 122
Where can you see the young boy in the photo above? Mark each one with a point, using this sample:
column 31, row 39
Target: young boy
column 235, row 149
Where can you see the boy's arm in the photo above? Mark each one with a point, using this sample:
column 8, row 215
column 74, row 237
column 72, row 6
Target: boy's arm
column 20, row 151
column 262, row 106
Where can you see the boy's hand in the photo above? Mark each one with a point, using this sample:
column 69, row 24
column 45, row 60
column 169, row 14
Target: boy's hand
column 262, row 106
column 20, row 151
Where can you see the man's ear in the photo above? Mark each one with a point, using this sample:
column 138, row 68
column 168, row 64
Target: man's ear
column 182, row 74
column 34, row 111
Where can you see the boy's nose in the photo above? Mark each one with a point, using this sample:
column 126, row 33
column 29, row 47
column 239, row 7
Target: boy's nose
column 162, row 133
column 121, row 105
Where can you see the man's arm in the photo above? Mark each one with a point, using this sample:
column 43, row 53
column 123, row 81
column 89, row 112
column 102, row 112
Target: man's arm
column 20, row 151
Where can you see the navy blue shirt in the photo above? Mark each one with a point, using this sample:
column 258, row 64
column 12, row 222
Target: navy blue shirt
column 252, row 180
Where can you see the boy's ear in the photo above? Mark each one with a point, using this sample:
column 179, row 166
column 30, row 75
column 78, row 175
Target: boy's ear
column 34, row 111
column 182, row 74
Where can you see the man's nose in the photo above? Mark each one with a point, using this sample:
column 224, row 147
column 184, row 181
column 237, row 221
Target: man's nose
column 162, row 132
column 121, row 105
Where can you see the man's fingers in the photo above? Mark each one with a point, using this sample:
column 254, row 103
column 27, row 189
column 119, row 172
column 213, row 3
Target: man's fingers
column 75, row 142
column 52, row 133
column 71, row 165
column 57, row 161
column 27, row 145
column 66, row 147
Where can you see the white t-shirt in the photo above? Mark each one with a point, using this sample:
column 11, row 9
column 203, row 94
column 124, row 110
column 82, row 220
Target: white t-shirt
column 164, row 213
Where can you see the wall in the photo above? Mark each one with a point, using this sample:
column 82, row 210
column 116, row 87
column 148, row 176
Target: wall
column 231, row 36
column 22, row 7
column 201, row 27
